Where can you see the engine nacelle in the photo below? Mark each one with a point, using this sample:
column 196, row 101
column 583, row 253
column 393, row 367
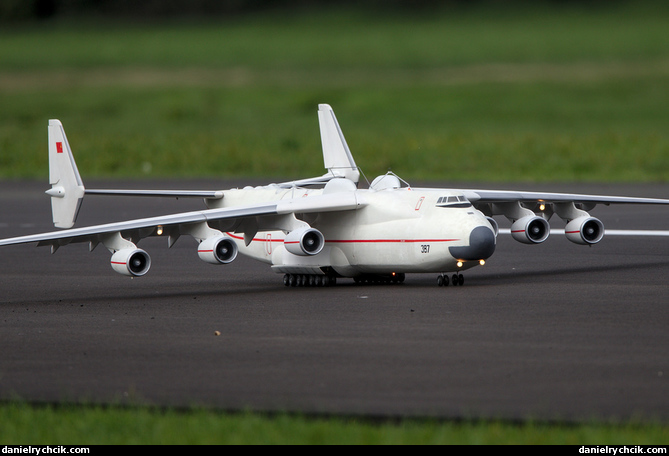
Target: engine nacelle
column 131, row 262
column 494, row 225
column 585, row 230
column 304, row 241
column 530, row 230
column 217, row 250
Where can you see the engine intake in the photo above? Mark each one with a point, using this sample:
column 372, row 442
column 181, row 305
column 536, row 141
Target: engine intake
column 585, row 230
column 217, row 250
column 530, row 230
column 304, row 241
column 131, row 262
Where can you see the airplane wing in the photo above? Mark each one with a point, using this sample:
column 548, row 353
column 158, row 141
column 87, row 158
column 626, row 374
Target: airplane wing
column 269, row 217
column 477, row 197
column 529, row 213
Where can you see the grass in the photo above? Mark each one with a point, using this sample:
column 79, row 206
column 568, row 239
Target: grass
column 481, row 93
column 348, row 38
column 24, row 424
column 490, row 131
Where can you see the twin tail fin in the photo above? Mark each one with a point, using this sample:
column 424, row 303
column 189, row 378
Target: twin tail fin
column 67, row 189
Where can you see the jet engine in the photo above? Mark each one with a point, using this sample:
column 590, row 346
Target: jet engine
column 585, row 230
column 304, row 241
column 530, row 230
column 494, row 225
column 217, row 250
column 131, row 262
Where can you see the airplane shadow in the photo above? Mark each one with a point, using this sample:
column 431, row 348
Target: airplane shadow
column 269, row 290
column 521, row 276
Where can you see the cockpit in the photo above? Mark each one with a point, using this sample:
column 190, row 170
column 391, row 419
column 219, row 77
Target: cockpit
column 453, row 201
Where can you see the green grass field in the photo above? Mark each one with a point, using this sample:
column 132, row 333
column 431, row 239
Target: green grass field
column 487, row 93
column 554, row 94
column 94, row 425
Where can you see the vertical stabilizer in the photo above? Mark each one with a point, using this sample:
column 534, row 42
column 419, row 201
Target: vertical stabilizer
column 67, row 189
column 336, row 154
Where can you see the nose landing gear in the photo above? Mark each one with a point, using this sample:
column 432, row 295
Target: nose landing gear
column 457, row 279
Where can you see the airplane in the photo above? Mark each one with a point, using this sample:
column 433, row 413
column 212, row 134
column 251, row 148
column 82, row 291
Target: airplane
column 317, row 230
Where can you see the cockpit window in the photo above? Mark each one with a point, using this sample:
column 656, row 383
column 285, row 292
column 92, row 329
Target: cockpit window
column 453, row 201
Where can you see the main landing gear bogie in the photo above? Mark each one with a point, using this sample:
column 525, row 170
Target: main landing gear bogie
column 309, row 280
column 327, row 280
column 456, row 279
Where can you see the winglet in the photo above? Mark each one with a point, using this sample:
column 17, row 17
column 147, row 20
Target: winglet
column 67, row 189
column 336, row 154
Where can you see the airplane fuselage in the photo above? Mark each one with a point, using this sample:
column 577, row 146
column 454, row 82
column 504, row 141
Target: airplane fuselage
column 396, row 230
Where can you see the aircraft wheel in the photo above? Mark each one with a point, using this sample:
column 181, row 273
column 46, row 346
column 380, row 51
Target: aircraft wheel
column 455, row 279
column 286, row 279
column 461, row 280
column 440, row 280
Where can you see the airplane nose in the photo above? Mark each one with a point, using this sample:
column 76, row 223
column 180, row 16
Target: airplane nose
column 481, row 245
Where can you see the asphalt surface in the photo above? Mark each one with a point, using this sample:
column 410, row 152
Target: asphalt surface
column 552, row 332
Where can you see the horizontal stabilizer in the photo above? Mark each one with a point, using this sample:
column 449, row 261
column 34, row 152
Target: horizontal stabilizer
column 210, row 194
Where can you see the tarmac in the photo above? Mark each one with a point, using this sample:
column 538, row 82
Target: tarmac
column 555, row 331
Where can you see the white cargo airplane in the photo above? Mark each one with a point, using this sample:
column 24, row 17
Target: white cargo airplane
column 317, row 230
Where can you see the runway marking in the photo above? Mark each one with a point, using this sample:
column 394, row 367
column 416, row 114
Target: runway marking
column 610, row 232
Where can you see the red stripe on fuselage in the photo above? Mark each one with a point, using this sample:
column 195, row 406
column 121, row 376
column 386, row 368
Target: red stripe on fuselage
column 353, row 241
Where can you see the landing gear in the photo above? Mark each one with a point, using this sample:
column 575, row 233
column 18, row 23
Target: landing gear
column 309, row 280
column 457, row 279
column 395, row 277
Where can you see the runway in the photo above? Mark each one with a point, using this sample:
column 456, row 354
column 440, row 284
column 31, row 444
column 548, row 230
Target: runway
column 555, row 331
